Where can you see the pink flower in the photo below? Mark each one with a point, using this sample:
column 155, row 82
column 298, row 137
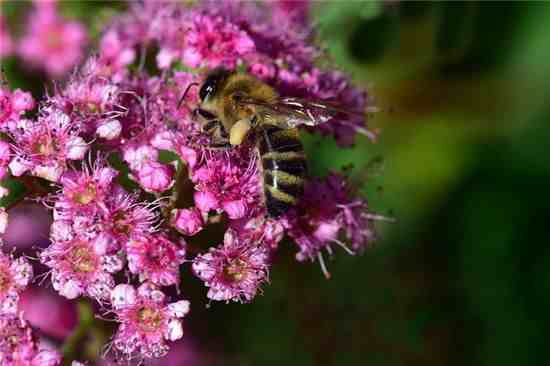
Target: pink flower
column 336, row 88
column 13, row 106
column 234, row 271
column 115, row 53
column 211, row 41
column 44, row 147
column 156, row 259
column 260, row 229
column 325, row 211
column 126, row 218
column 15, row 275
column 6, row 43
column 228, row 182
column 52, row 42
column 156, row 177
column 147, row 322
column 80, row 266
column 187, row 221
column 17, row 345
column 87, row 189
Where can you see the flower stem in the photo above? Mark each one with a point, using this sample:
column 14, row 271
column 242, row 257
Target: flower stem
column 73, row 343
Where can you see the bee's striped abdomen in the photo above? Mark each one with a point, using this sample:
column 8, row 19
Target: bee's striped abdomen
column 284, row 168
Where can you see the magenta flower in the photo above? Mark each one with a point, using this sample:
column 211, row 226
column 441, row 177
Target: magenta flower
column 18, row 347
column 126, row 218
column 147, row 322
column 212, row 41
column 80, row 266
column 109, row 234
column 44, row 147
column 156, row 259
column 187, row 221
column 228, row 182
column 115, row 55
column 233, row 271
column 51, row 42
column 87, row 189
column 326, row 211
column 15, row 275
column 12, row 106
column 156, row 177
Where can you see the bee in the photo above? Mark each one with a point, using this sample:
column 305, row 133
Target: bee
column 234, row 105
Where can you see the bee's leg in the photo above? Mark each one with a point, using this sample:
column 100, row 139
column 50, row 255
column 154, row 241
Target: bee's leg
column 219, row 138
column 209, row 126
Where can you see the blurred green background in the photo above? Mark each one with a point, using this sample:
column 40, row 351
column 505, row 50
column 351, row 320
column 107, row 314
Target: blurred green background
column 463, row 276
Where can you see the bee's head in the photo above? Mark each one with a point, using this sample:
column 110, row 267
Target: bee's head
column 212, row 83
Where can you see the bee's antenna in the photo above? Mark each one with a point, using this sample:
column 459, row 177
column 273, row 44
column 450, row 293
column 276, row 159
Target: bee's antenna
column 185, row 93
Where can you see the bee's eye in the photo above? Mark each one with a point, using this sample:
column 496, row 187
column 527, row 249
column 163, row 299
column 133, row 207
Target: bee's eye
column 207, row 89
column 210, row 85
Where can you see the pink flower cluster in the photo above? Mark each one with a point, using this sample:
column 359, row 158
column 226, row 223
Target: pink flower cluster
column 49, row 42
column 130, row 176
column 19, row 347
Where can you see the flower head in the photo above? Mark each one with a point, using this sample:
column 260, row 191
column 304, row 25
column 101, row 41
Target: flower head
column 52, row 42
column 12, row 106
column 213, row 41
column 325, row 211
column 81, row 266
column 146, row 320
column 228, row 182
column 15, row 275
column 155, row 258
column 233, row 271
column 46, row 146
column 87, row 189
column 18, row 347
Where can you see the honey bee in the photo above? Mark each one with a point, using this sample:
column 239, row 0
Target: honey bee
column 234, row 105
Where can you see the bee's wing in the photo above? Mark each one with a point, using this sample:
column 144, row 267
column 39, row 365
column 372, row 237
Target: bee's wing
column 293, row 112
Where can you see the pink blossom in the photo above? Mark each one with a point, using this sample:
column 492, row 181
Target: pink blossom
column 18, row 347
column 12, row 106
column 80, row 266
column 212, row 41
column 126, row 218
column 52, row 42
column 147, row 322
column 260, row 229
column 233, row 271
column 6, row 43
column 15, row 275
column 228, row 182
column 187, row 221
column 326, row 211
column 115, row 54
column 89, row 188
column 155, row 258
column 44, row 147
column 156, row 177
